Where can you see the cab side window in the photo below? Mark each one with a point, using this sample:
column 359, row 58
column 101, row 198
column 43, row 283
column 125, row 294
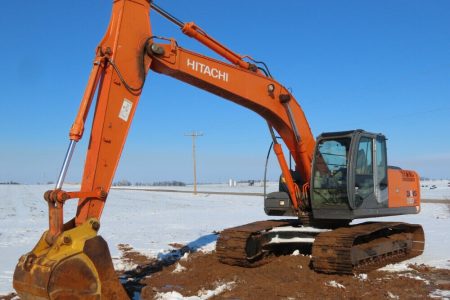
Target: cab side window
column 381, row 163
column 381, row 183
column 364, row 170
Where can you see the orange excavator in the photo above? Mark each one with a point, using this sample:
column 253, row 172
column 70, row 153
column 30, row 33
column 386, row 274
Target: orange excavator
column 337, row 178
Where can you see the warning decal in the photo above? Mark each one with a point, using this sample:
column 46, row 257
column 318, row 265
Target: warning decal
column 126, row 109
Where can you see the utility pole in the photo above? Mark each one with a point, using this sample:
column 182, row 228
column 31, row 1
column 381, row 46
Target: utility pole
column 194, row 135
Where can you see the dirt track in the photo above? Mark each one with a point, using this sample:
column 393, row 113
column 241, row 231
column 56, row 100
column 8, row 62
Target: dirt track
column 284, row 277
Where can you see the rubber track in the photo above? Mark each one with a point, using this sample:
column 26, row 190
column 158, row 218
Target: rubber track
column 332, row 251
column 231, row 247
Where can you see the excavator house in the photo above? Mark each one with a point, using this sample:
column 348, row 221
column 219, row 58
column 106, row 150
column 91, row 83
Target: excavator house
column 336, row 178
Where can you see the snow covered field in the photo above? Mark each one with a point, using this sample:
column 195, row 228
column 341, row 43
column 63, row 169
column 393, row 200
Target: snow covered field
column 145, row 220
column 149, row 221
column 257, row 188
column 435, row 189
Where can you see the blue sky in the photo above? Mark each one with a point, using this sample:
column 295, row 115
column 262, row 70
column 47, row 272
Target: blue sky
column 382, row 66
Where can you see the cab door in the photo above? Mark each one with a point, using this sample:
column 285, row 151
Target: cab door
column 380, row 172
column 363, row 172
column 370, row 173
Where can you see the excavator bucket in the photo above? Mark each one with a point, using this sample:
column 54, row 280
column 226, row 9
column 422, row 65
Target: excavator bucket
column 77, row 265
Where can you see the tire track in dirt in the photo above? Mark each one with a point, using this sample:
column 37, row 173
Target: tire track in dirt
column 283, row 277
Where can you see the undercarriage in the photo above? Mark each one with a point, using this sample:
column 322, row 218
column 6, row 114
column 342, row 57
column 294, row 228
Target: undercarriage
column 345, row 250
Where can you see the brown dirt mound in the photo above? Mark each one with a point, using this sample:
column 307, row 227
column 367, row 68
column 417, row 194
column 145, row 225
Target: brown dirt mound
column 290, row 277
column 283, row 277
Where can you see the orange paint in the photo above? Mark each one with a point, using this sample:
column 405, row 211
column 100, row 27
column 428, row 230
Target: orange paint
column 403, row 188
column 123, row 43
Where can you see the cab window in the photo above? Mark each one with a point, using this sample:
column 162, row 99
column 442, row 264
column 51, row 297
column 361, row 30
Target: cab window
column 364, row 170
column 381, row 164
column 330, row 175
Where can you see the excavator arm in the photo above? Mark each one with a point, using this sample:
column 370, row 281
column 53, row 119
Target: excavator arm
column 71, row 260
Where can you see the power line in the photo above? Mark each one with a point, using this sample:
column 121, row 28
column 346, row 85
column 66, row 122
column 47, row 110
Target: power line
column 399, row 116
column 194, row 135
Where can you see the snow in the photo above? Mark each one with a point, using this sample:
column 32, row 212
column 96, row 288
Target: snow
column 150, row 221
column 415, row 277
column 179, row 268
column 121, row 265
column 361, row 276
column 202, row 294
column 335, row 284
column 257, row 188
column 204, row 244
column 147, row 221
column 430, row 189
column 435, row 189
column 172, row 296
column 441, row 294
column 185, row 257
column 206, row 294
column 392, row 296
column 394, row 268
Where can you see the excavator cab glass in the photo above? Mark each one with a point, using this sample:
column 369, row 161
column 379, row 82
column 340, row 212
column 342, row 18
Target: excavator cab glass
column 330, row 176
column 349, row 175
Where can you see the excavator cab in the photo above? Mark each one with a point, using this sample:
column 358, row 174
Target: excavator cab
column 350, row 178
column 349, row 172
